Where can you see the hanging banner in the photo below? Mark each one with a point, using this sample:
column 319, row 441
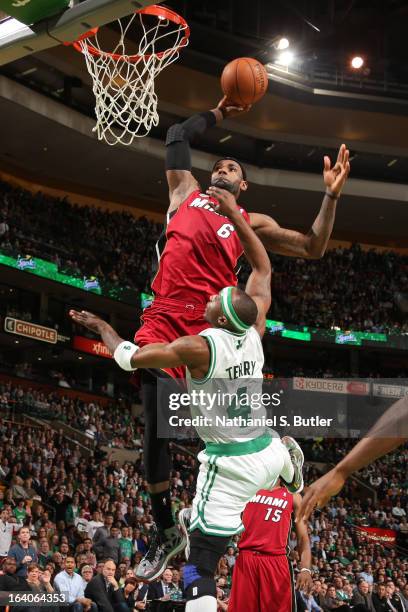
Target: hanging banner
column 94, row 347
column 386, row 537
column 330, row 385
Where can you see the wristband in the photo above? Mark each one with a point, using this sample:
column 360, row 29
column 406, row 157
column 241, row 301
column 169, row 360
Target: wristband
column 124, row 353
column 331, row 195
column 306, row 569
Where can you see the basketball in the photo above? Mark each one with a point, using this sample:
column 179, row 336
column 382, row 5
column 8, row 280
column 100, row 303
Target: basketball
column 244, row 81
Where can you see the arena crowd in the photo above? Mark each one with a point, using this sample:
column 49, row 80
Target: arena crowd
column 65, row 509
column 73, row 518
column 348, row 288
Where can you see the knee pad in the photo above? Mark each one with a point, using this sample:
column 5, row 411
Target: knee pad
column 205, row 585
column 205, row 551
column 190, row 574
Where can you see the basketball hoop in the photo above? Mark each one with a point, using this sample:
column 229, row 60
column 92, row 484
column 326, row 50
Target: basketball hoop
column 126, row 101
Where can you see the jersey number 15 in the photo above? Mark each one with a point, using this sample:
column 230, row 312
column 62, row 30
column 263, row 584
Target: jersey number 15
column 277, row 514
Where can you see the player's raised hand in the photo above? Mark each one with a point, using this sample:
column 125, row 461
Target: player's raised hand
column 335, row 177
column 319, row 493
column 231, row 109
column 227, row 204
column 87, row 319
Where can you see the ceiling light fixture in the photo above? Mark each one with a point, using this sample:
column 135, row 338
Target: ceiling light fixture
column 357, row 62
column 281, row 44
column 285, row 58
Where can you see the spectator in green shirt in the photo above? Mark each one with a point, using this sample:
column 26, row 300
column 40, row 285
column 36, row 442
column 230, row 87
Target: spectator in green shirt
column 19, row 511
column 125, row 543
column 72, row 511
column 44, row 553
column 341, row 594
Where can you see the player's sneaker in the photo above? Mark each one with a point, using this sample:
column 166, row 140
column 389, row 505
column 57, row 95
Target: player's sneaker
column 163, row 546
column 297, row 458
column 184, row 519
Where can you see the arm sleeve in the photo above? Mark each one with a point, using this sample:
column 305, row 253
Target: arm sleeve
column 179, row 137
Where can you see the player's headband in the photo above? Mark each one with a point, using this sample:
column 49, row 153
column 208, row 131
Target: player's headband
column 229, row 310
column 244, row 174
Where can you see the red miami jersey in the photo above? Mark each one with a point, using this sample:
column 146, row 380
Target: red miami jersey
column 267, row 520
column 197, row 253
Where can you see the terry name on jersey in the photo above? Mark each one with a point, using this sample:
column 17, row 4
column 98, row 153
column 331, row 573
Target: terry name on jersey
column 246, row 368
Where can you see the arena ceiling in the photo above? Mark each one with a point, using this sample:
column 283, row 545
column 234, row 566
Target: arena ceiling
column 324, row 34
column 287, row 131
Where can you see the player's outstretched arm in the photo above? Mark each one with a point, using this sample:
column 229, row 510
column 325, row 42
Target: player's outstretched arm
column 390, row 431
column 178, row 155
column 259, row 282
column 191, row 351
column 313, row 244
column 304, row 578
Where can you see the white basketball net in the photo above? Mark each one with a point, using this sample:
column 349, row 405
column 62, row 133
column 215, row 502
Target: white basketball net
column 126, row 102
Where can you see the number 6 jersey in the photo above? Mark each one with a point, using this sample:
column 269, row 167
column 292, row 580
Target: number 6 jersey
column 197, row 252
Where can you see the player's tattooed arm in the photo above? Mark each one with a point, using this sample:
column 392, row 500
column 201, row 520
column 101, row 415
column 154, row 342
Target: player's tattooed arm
column 191, row 351
column 313, row 244
column 259, row 282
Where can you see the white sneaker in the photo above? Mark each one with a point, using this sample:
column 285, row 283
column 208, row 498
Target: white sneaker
column 297, row 458
column 184, row 519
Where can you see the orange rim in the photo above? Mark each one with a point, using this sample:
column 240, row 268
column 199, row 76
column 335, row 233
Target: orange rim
column 161, row 12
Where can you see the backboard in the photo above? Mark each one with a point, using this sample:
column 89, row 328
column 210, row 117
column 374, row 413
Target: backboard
column 58, row 21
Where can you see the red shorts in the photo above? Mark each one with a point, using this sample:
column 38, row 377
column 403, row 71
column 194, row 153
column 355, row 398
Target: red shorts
column 262, row 583
column 166, row 320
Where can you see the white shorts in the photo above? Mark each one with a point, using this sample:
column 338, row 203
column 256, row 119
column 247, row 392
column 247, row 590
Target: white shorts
column 230, row 474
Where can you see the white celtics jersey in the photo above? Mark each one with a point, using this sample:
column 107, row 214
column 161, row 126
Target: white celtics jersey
column 226, row 405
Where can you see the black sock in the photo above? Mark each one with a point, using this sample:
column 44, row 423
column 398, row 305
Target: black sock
column 161, row 509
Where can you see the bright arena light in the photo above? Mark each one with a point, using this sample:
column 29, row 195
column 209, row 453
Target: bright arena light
column 285, row 58
column 357, row 62
column 282, row 44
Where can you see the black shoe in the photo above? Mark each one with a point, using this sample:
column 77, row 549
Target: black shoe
column 163, row 546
